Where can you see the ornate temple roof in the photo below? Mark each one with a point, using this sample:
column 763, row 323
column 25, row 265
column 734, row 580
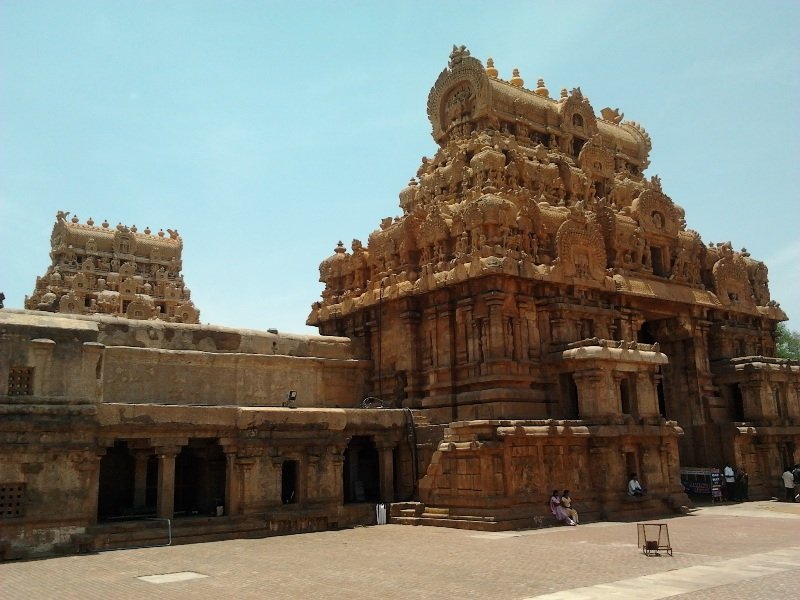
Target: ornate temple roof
column 117, row 271
column 542, row 188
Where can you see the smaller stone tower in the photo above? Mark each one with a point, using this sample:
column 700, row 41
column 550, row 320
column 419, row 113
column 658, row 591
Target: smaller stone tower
column 116, row 271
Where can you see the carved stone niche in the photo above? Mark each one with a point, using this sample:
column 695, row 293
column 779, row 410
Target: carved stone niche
column 459, row 105
column 124, row 242
column 455, row 100
column 657, row 214
column 577, row 116
column 581, row 251
column 595, row 160
column 731, row 283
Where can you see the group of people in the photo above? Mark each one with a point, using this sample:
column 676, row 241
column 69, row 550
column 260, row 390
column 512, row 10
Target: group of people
column 735, row 484
column 561, row 503
column 561, row 507
column 791, row 483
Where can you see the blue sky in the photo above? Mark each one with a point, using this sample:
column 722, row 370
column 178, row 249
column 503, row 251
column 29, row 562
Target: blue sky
column 265, row 132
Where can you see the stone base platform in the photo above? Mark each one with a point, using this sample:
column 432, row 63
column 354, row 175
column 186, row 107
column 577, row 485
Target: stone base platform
column 517, row 518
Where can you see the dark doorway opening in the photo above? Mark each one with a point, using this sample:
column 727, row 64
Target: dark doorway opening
column 656, row 261
column 199, row 478
column 662, row 400
column 737, row 403
column 289, row 470
column 569, row 392
column 625, row 396
column 361, row 471
column 116, row 485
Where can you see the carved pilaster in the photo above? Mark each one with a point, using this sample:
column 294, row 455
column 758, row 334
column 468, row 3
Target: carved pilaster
column 386, row 458
column 41, row 357
column 141, row 457
column 646, row 396
column 91, row 372
column 494, row 302
column 165, row 503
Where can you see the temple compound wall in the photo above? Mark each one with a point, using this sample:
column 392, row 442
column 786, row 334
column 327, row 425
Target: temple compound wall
column 546, row 299
column 107, row 420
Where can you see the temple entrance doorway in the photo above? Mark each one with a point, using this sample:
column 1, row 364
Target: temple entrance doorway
column 127, row 487
column 199, row 478
column 116, row 486
column 361, row 471
column 677, row 382
column 569, row 396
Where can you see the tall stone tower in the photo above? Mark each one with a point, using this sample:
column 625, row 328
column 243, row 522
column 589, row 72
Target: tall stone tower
column 117, row 271
column 537, row 276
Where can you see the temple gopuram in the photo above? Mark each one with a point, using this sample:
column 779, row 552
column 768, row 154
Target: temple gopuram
column 538, row 316
column 118, row 271
column 545, row 299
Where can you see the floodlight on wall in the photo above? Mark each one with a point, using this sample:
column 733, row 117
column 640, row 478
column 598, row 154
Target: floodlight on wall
column 291, row 399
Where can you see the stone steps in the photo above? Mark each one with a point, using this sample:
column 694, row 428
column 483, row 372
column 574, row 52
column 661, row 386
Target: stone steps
column 416, row 513
column 112, row 536
column 623, row 509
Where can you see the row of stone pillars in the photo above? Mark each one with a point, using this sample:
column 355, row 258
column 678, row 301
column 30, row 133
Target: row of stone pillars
column 236, row 469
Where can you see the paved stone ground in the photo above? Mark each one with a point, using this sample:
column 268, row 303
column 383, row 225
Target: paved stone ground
column 735, row 551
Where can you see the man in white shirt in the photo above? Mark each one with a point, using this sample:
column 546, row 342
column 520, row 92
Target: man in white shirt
column 634, row 488
column 788, row 484
column 730, row 483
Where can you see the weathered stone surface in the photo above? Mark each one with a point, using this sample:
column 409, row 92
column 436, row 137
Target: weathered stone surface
column 536, row 273
column 117, row 271
column 539, row 311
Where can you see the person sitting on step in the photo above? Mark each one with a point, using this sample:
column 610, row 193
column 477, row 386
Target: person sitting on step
column 566, row 502
column 559, row 512
column 634, row 487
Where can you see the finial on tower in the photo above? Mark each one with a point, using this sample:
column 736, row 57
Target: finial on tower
column 490, row 69
column 458, row 54
column 516, row 80
column 541, row 90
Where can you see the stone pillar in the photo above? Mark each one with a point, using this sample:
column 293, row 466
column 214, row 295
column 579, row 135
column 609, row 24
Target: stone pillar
column 596, row 394
column 386, row 458
column 165, row 504
column 141, row 458
column 753, row 400
column 463, row 323
column 89, row 466
column 336, row 461
column 585, row 383
column 559, row 330
column 646, row 394
column 494, row 302
column 530, row 344
column 42, row 351
column 409, row 325
column 618, row 377
column 431, row 340
column 6, row 341
column 793, row 402
column 90, row 385
column 243, row 466
column 232, row 500
column 443, row 333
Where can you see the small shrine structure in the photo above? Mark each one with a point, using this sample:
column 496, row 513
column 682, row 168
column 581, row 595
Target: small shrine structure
column 115, row 271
